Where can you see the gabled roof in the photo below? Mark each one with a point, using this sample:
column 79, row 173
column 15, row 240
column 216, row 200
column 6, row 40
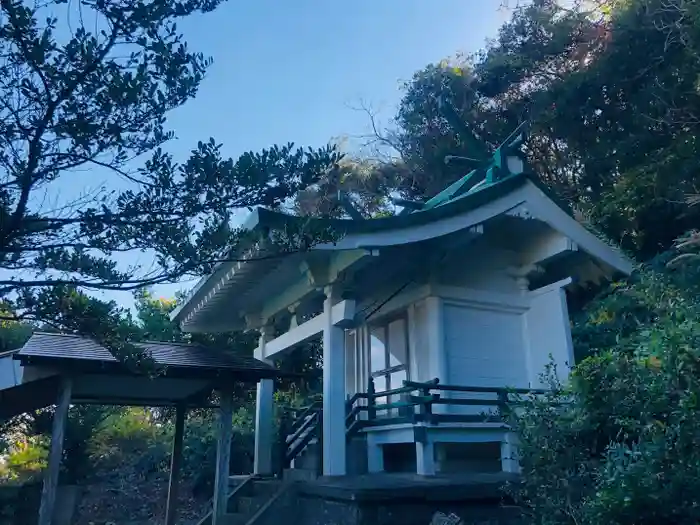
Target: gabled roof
column 262, row 220
column 189, row 374
column 505, row 171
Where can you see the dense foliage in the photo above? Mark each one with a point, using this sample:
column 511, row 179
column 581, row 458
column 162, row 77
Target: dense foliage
column 616, row 444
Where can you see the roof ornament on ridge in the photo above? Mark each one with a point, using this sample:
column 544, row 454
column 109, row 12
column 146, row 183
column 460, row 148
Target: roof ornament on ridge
column 507, row 160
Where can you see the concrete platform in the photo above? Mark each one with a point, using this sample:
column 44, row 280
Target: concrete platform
column 408, row 499
column 402, row 486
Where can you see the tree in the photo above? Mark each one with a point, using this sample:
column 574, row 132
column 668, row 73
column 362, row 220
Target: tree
column 153, row 318
column 466, row 105
column 426, row 136
column 610, row 90
column 13, row 335
column 364, row 183
column 97, row 100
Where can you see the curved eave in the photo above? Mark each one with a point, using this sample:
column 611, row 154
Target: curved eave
column 546, row 210
column 226, row 275
column 353, row 233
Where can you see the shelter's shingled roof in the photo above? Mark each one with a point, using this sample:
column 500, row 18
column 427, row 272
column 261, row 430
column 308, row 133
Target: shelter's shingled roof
column 45, row 345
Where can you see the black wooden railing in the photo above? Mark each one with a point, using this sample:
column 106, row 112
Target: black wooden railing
column 418, row 400
column 298, row 426
column 416, row 404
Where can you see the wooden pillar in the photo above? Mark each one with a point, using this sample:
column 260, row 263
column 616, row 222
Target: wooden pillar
column 48, row 493
column 175, row 465
column 223, row 455
column 425, row 458
column 438, row 364
column 264, row 416
column 333, row 393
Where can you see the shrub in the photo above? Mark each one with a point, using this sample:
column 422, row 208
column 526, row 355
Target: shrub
column 25, row 461
column 131, row 439
column 618, row 444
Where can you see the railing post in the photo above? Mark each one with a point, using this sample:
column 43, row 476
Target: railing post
column 371, row 400
column 282, row 433
column 426, row 408
column 410, row 410
column 503, row 404
column 319, row 437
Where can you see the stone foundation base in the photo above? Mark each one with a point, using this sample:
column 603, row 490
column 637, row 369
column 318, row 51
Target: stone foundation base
column 394, row 499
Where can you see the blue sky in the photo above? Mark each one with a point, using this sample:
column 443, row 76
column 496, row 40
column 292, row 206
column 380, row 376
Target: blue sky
column 290, row 70
column 287, row 70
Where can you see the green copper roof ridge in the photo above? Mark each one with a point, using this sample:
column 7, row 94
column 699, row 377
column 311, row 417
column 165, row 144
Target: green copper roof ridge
column 492, row 174
column 482, row 195
column 450, row 192
column 486, row 186
column 529, row 175
column 275, row 219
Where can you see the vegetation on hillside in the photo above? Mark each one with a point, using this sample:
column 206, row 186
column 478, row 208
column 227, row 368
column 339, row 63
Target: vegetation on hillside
column 610, row 89
column 615, row 444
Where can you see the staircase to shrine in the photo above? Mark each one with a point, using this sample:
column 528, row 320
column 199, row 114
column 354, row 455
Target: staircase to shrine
column 253, row 501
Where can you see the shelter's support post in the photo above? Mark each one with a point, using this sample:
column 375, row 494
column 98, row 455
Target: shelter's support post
column 333, row 393
column 175, row 465
column 223, row 455
column 264, row 431
column 48, row 493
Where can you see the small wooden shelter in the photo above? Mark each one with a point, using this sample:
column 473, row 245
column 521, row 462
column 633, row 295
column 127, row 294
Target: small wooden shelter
column 59, row 369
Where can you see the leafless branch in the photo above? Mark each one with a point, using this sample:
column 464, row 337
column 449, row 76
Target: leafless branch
column 379, row 140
